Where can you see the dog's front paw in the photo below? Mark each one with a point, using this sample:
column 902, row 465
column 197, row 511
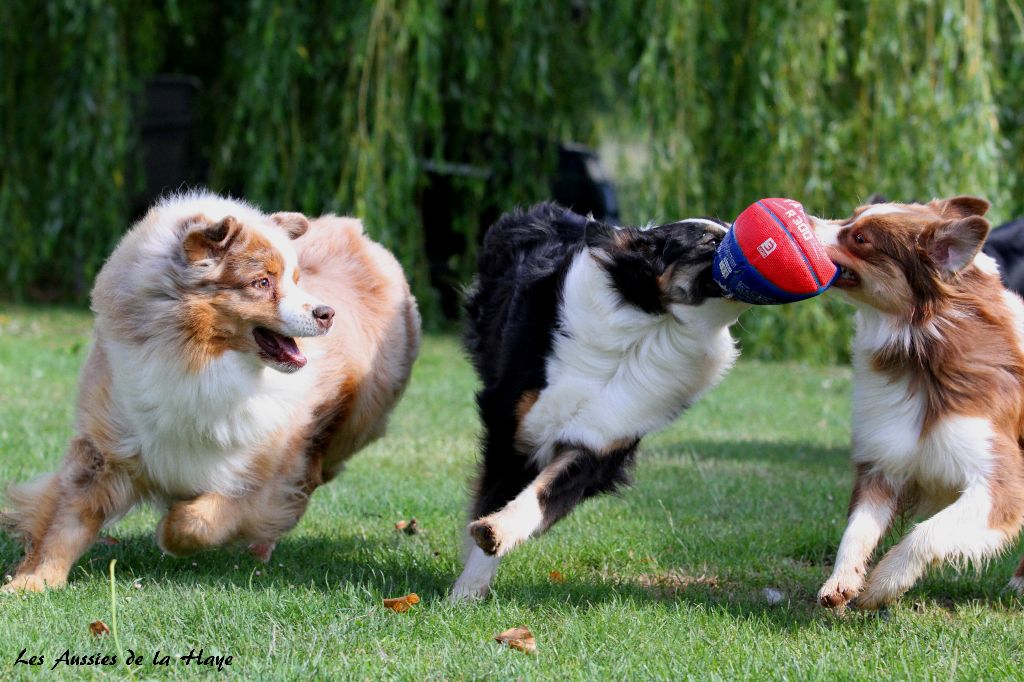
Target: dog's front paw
column 880, row 592
column 875, row 598
column 839, row 589
column 466, row 591
column 894, row 575
column 33, row 582
column 486, row 535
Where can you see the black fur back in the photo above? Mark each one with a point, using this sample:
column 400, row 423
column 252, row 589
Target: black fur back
column 513, row 310
column 513, row 307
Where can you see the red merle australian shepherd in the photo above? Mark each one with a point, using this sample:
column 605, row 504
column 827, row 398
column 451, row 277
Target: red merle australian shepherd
column 938, row 396
column 586, row 337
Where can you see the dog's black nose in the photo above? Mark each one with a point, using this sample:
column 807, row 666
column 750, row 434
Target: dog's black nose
column 323, row 314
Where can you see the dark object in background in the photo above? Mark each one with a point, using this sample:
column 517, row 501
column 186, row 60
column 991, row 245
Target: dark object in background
column 1005, row 244
column 169, row 125
column 170, row 150
column 442, row 241
column 579, row 183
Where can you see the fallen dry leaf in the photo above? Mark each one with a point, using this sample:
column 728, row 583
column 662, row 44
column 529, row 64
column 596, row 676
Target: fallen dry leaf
column 98, row 628
column 519, row 638
column 556, row 577
column 402, row 604
column 410, row 527
column 108, row 541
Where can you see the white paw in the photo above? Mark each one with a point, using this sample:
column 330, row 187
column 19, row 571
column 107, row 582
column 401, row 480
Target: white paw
column 840, row 589
column 883, row 588
column 895, row 574
column 475, row 581
column 465, row 591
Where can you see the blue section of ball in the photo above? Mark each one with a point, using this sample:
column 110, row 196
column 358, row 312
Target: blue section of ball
column 741, row 280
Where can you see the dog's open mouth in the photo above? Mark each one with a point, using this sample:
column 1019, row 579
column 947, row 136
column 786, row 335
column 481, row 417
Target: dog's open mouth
column 279, row 350
column 847, row 278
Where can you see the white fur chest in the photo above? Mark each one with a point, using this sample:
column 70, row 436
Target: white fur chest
column 200, row 432
column 888, row 421
column 617, row 373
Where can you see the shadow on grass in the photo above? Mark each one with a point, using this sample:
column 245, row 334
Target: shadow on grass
column 328, row 565
column 317, row 564
column 810, row 457
column 933, row 598
column 394, row 566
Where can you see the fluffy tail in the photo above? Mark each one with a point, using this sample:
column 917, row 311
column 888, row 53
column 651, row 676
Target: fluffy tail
column 27, row 512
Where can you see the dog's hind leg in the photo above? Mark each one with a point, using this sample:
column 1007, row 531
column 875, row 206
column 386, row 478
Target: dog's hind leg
column 59, row 515
column 979, row 524
column 478, row 572
column 207, row 521
column 574, row 474
column 504, row 474
column 212, row 519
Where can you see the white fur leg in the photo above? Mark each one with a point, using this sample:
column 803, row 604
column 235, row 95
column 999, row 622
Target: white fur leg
column 959, row 533
column 513, row 524
column 864, row 529
column 475, row 581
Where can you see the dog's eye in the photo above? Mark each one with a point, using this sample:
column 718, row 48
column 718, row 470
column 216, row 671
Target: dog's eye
column 859, row 238
column 261, row 283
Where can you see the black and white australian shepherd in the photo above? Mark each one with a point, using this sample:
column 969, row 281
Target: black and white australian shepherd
column 586, row 338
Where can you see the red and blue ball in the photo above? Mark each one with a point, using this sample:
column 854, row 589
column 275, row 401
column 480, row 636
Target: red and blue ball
column 770, row 255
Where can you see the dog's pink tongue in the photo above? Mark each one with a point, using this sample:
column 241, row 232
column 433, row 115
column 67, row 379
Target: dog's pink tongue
column 279, row 348
column 290, row 352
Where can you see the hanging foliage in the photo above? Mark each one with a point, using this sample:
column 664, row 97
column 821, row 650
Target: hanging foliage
column 65, row 132
column 829, row 103
column 701, row 106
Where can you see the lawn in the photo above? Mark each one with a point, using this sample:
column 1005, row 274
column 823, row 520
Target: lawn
column 745, row 493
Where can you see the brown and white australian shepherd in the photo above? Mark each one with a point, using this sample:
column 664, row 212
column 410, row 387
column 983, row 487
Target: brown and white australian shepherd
column 938, row 411
column 239, row 360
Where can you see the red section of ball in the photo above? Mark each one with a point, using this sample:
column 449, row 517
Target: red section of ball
column 778, row 239
column 792, row 214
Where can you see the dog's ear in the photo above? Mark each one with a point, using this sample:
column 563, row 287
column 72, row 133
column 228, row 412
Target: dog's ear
column 205, row 239
column 295, row 224
column 953, row 245
column 962, row 206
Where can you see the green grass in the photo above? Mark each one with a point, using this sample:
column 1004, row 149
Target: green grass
column 746, row 491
